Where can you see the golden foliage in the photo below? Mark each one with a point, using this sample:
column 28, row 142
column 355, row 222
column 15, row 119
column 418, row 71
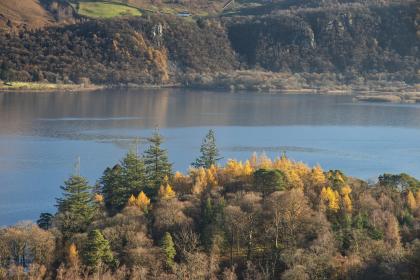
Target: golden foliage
column 418, row 197
column 331, row 198
column 294, row 171
column 99, row 198
column 345, row 192
column 204, row 178
column 73, row 254
column 142, row 201
column 166, row 192
column 411, row 201
column 318, row 176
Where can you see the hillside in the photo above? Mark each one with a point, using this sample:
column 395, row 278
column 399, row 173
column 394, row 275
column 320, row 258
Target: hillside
column 24, row 12
column 350, row 45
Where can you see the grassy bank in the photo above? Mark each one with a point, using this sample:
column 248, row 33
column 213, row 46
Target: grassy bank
column 106, row 10
column 32, row 86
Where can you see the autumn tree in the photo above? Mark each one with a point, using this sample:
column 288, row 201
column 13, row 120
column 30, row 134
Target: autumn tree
column 209, row 152
column 157, row 165
column 166, row 191
column 76, row 207
column 141, row 201
column 411, row 201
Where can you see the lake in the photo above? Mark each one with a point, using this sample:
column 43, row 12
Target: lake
column 43, row 134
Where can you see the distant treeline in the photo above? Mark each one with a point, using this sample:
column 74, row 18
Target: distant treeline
column 351, row 42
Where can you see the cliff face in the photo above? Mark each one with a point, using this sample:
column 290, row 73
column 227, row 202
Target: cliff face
column 357, row 39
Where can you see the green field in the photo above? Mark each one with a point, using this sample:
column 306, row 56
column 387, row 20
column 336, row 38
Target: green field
column 106, row 10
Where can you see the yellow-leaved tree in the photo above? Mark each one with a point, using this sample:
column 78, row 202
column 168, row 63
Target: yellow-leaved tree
column 166, row 192
column 142, row 201
column 331, row 198
column 73, row 255
column 345, row 192
column 317, row 176
column 411, row 201
column 99, row 198
column 418, row 197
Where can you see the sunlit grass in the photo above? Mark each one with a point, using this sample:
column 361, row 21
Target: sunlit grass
column 36, row 86
column 106, row 10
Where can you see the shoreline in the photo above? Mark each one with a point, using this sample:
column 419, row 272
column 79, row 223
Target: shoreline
column 396, row 95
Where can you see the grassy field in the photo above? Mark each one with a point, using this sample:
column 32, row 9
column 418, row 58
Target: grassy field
column 106, row 10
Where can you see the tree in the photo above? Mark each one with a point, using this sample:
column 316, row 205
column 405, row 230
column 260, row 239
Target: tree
column 168, row 248
column 142, row 201
column 123, row 180
column 209, row 152
column 411, row 201
column 73, row 255
column 157, row 165
column 97, row 251
column 76, row 208
column 166, row 192
column 269, row 180
column 45, row 221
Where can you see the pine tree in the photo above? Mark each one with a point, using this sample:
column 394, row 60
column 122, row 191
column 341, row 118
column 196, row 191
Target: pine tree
column 119, row 183
column 97, row 251
column 168, row 248
column 45, row 221
column 209, row 152
column 157, row 165
column 76, row 208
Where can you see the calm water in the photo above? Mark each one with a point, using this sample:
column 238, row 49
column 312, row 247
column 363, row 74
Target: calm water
column 41, row 135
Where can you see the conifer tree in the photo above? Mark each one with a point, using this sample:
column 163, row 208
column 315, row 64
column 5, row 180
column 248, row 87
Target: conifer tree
column 45, row 221
column 76, row 208
column 157, row 165
column 125, row 179
column 209, row 152
column 97, row 251
column 168, row 248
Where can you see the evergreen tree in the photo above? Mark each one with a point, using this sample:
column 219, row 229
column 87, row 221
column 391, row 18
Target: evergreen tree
column 97, row 251
column 209, row 152
column 269, row 180
column 156, row 164
column 122, row 181
column 76, row 208
column 45, row 221
column 168, row 248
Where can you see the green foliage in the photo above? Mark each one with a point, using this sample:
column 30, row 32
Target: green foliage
column 269, row 180
column 76, row 207
column 209, row 152
column 97, row 251
column 401, row 181
column 122, row 181
column 157, row 165
column 212, row 220
column 168, row 248
column 45, row 220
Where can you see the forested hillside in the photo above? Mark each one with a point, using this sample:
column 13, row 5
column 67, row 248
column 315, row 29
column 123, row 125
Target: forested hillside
column 307, row 46
column 258, row 219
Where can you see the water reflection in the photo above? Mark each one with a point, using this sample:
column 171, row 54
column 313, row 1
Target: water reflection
column 41, row 135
